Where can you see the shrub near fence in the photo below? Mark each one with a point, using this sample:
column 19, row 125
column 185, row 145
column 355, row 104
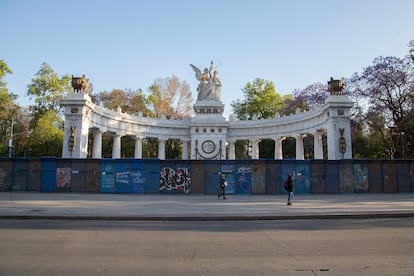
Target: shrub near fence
column 153, row 176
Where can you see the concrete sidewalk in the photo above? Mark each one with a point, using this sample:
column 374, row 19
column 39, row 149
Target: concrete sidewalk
column 33, row 205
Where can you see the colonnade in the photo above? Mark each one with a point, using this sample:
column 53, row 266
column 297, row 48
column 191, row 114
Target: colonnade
column 209, row 134
column 278, row 153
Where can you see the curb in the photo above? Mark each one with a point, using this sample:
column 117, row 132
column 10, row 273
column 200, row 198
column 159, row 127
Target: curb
column 211, row 218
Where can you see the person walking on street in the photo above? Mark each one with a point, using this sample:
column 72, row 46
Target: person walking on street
column 290, row 186
column 222, row 188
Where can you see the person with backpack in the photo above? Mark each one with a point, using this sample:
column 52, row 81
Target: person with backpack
column 222, row 188
column 289, row 186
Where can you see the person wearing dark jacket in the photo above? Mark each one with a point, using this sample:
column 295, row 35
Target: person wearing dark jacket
column 290, row 188
column 223, row 184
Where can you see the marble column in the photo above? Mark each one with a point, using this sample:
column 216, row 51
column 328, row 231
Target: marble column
column 97, row 144
column 279, row 147
column 161, row 148
column 116, row 147
column 185, row 149
column 138, row 147
column 317, row 145
column 255, row 148
column 232, row 150
column 299, row 147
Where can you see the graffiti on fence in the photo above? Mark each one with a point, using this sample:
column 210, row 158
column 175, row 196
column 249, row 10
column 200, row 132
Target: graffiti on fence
column 178, row 180
column 243, row 179
column 228, row 168
column 244, row 169
column 361, row 178
column 244, row 173
column 122, row 177
column 137, row 177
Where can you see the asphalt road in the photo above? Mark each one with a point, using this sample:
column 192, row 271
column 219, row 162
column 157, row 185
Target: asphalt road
column 285, row 247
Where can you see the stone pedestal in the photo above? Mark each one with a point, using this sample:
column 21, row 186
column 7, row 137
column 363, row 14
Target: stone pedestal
column 208, row 131
column 76, row 130
column 338, row 127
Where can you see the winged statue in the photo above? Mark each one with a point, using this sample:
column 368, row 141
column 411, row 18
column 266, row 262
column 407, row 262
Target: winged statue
column 210, row 84
column 196, row 71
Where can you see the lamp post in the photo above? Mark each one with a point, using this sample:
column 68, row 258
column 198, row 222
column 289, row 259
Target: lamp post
column 11, row 139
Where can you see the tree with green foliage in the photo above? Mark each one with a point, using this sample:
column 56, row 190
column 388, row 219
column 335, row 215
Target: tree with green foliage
column 4, row 70
column 46, row 138
column 7, row 108
column 48, row 88
column 261, row 101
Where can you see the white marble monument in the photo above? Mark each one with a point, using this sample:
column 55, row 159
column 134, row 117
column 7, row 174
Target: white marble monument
column 210, row 135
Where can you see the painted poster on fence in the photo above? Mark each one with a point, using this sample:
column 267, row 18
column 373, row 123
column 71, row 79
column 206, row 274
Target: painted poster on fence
column 175, row 179
column 63, row 178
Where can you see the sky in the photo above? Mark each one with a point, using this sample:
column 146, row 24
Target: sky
column 121, row 44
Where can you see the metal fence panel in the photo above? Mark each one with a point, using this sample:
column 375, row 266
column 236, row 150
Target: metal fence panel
column 346, row 176
column 318, row 176
column 412, row 175
column 35, row 175
column 63, row 175
column 198, row 179
column 389, row 176
column 375, row 176
column 403, row 176
column 6, row 174
column 302, row 177
column 107, row 178
column 259, row 177
column 229, row 169
column 20, row 174
column 273, row 176
column 213, row 170
column 288, row 167
column 48, row 174
column 78, row 175
column 361, row 184
column 93, row 174
column 122, row 176
column 243, row 177
column 152, row 176
column 332, row 180
column 203, row 176
column 137, row 168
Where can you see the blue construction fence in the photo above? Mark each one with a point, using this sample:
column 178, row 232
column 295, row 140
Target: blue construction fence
column 153, row 176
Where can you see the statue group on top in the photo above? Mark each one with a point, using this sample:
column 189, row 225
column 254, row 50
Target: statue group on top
column 209, row 88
